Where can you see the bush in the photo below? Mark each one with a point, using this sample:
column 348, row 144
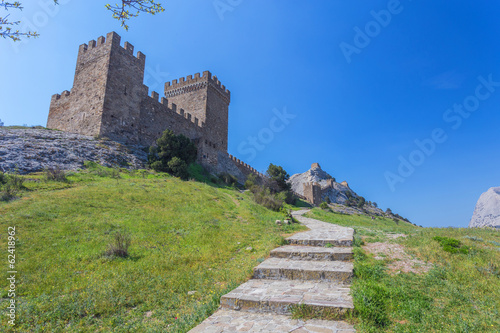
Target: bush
column 228, row 179
column 286, row 196
column 361, row 202
column 170, row 146
column 101, row 171
column 251, row 181
column 263, row 196
column 277, row 174
column 55, row 174
column 323, row 205
column 178, row 168
column 451, row 245
column 119, row 246
column 9, row 186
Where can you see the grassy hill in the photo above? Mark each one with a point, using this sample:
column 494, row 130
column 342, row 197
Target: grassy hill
column 190, row 244
column 193, row 242
column 460, row 293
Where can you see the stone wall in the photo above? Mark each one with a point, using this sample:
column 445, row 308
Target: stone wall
column 312, row 193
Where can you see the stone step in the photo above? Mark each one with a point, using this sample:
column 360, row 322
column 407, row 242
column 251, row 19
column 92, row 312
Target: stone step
column 280, row 296
column 299, row 252
column 230, row 321
column 281, row 269
column 341, row 237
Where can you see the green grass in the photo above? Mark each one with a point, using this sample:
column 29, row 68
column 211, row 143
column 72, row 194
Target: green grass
column 460, row 294
column 372, row 229
column 186, row 236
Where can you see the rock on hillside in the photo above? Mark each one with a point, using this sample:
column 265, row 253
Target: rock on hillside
column 31, row 150
column 487, row 211
column 338, row 193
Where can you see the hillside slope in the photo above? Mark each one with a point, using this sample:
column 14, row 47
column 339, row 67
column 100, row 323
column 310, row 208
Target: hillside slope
column 407, row 281
column 191, row 243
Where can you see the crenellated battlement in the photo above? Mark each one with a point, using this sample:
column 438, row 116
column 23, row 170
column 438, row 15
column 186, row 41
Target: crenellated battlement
column 111, row 40
column 242, row 164
column 164, row 104
column 189, row 84
column 63, row 95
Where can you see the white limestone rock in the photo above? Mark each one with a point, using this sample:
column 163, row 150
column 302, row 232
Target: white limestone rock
column 487, row 211
column 337, row 194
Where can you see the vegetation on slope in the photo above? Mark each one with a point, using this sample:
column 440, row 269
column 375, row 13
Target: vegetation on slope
column 461, row 293
column 190, row 243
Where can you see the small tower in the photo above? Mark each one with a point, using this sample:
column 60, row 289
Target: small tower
column 312, row 193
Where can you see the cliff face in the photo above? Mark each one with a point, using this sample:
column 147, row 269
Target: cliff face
column 487, row 211
column 32, row 150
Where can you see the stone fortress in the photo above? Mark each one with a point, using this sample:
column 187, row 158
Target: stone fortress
column 315, row 185
column 109, row 99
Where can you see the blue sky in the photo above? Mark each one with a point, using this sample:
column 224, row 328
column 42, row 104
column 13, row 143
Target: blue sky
column 360, row 83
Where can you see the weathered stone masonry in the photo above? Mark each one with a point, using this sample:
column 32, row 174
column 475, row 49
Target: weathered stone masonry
column 109, row 99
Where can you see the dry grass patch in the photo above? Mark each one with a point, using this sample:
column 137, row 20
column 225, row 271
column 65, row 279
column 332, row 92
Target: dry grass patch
column 400, row 261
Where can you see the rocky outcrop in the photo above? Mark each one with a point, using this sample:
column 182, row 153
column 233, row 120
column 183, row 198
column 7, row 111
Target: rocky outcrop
column 337, row 192
column 487, row 211
column 30, row 150
column 316, row 186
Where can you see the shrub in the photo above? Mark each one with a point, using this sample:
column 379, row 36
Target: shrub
column 101, row 171
column 263, row 196
column 119, row 246
column 277, row 174
column 323, row 205
column 251, row 181
column 9, row 186
column 168, row 147
column 286, row 196
column 451, row 245
column 55, row 174
column 178, row 168
column 228, row 179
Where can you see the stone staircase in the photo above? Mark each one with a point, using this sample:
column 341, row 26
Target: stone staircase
column 304, row 273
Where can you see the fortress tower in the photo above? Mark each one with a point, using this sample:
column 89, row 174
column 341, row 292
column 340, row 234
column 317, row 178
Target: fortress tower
column 109, row 99
column 107, row 92
column 206, row 99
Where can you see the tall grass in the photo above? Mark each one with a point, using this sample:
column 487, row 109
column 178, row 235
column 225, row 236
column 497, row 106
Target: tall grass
column 461, row 293
column 185, row 236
